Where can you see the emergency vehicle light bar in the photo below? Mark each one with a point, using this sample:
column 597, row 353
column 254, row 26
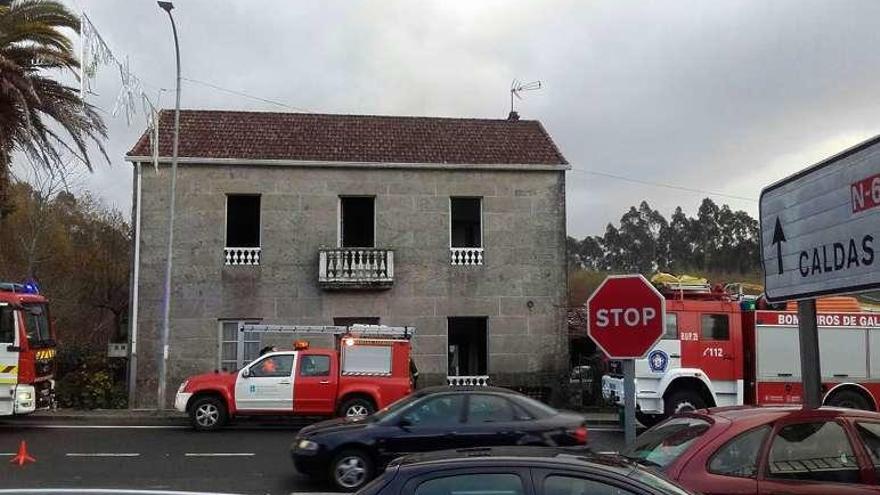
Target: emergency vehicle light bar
column 356, row 330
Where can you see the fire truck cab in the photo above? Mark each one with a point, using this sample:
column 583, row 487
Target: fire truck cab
column 27, row 350
column 368, row 369
column 718, row 350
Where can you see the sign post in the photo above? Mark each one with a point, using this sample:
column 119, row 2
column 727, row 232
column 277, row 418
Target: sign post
column 626, row 318
column 820, row 231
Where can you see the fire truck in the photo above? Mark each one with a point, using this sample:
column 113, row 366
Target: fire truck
column 722, row 348
column 27, row 350
column 369, row 368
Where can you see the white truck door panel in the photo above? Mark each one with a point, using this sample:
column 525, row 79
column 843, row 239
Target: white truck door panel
column 778, row 353
column 269, row 384
column 8, row 359
column 843, row 353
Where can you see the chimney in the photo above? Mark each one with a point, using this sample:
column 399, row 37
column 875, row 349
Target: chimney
column 513, row 117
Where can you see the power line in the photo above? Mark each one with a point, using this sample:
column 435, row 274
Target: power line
column 245, row 95
column 661, row 184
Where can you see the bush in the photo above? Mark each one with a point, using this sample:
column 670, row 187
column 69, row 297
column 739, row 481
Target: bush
column 89, row 380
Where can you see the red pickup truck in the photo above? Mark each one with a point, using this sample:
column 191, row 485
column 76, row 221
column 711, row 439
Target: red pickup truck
column 363, row 375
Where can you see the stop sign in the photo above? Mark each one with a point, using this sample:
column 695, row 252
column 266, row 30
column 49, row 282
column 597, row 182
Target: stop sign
column 626, row 316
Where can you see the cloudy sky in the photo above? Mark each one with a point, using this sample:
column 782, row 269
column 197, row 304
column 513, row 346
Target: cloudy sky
column 721, row 96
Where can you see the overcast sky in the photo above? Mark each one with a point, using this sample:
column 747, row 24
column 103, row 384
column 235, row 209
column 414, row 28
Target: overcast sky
column 721, row 96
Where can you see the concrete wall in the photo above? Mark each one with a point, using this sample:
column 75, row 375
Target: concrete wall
column 521, row 287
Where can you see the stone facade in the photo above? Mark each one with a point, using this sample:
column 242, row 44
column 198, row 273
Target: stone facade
column 520, row 288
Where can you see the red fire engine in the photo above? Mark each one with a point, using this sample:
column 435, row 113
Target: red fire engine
column 722, row 349
column 27, row 350
column 368, row 369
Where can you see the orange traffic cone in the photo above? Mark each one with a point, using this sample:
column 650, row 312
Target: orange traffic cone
column 22, row 456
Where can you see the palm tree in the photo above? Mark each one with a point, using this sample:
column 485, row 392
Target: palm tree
column 39, row 116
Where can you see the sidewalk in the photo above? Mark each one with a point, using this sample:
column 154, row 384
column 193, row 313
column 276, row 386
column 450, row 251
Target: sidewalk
column 114, row 416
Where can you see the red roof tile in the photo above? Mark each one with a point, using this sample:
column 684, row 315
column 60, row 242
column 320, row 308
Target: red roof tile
column 353, row 138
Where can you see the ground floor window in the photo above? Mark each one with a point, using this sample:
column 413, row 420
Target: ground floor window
column 468, row 346
column 237, row 348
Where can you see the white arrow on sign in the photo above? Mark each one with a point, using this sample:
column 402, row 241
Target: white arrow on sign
column 820, row 228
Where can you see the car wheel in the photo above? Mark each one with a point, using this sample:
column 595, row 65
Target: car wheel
column 351, row 469
column 357, row 407
column 649, row 420
column 850, row 399
column 208, row 414
column 682, row 401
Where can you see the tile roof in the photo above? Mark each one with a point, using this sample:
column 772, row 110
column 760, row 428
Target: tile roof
column 353, row 138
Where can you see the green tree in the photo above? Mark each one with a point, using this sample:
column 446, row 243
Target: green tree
column 38, row 114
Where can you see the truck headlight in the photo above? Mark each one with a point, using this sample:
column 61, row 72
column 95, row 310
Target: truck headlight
column 182, row 386
column 25, row 396
column 306, row 445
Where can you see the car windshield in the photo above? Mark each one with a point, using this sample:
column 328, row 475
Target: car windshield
column 662, row 445
column 392, row 409
column 36, row 318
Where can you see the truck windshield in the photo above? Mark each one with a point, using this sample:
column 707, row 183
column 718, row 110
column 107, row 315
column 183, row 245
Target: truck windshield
column 661, row 446
column 36, row 318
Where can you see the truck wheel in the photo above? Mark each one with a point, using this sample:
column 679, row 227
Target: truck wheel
column 356, row 407
column 208, row 414
column 682, row 401
column 850, row 399
column 649, row 420
column 351, row 469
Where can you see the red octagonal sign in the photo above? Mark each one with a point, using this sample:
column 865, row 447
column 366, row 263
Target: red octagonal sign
column 626, row 316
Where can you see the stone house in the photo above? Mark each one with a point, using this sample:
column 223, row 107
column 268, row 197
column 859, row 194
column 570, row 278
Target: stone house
column 453, row 226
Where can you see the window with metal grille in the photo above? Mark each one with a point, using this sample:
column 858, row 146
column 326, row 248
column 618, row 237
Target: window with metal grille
column 237, row 348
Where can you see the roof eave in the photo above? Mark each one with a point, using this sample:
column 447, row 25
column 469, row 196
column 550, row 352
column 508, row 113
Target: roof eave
column 527, row 167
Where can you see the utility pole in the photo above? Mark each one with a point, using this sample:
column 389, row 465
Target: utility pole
column 166, row 298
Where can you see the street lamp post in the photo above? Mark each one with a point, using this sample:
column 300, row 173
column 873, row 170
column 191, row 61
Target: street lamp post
column 166, row 298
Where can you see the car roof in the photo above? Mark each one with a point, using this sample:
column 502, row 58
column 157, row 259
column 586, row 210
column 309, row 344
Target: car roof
column 773, row 413
column 466, row 388
column 520, row 456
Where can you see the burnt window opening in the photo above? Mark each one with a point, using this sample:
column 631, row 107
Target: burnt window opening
column 468, row 349
column 466, row 227
column 357, row 218
column 242, row 220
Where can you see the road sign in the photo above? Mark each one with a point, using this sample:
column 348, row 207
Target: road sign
column 626, row 316
column 820, row 228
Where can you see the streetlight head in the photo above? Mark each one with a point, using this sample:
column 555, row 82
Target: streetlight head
column 166, row 6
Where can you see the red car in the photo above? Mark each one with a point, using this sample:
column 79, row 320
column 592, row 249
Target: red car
column 767, row 450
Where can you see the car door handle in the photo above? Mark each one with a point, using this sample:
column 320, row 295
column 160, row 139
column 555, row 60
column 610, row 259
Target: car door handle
column 324, row 382
column 728, row 358
column 283, row 383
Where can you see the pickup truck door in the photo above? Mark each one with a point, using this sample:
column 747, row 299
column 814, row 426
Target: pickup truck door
column 266, row 384
column 315, row 386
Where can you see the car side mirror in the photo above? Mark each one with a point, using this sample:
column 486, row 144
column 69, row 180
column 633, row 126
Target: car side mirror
column 404, row 423
column 13, row 348
column 246, row 373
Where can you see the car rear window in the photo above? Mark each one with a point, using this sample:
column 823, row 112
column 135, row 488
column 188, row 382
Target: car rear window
column 536, row 409
column 662, row 445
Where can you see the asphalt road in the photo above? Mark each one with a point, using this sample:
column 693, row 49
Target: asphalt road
column 246, row 458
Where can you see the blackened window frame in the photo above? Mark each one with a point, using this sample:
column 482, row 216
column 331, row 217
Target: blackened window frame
column 259, row 219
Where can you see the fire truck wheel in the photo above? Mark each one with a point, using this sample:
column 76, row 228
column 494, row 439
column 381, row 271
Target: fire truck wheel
column 351, row 469
column 649, row 420
column 208, row 413
column 850, row 399
column 356, row 407
column 683, row 401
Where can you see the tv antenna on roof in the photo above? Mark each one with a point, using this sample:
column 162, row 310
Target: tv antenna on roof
column 516, row 88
